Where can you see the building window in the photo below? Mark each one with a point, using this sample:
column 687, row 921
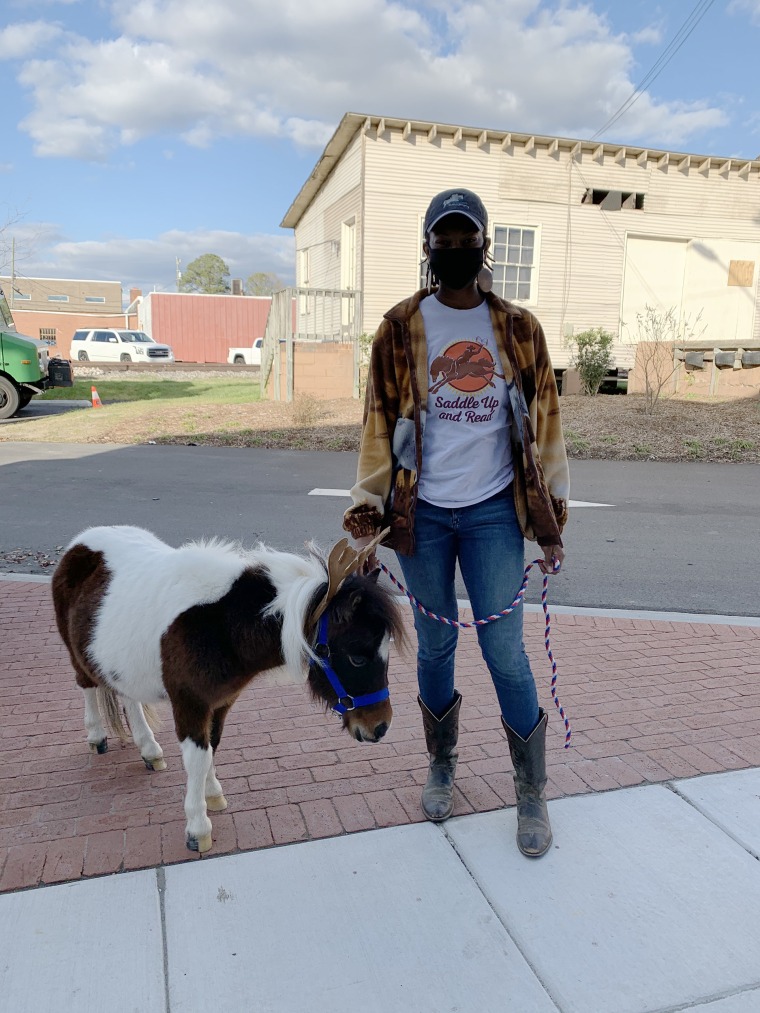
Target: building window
column 515, row 267
column 21, row 296
column 47, row 334
column 304, row 266
column 614, row 200
column 94, row 298
column 58, row 298
column 348, row 255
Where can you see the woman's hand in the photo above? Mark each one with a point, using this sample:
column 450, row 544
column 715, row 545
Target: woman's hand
column 371, row 563
column 554, row 556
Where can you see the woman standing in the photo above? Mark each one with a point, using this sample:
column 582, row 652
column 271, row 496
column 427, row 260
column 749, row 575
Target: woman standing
column 462, row 454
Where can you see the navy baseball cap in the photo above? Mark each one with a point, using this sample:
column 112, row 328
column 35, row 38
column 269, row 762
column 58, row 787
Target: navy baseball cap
column 456, row 202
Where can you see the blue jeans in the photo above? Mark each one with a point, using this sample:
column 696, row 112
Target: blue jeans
column 487, row 540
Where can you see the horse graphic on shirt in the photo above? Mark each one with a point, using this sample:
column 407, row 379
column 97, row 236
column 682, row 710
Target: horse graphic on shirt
column 452, row 369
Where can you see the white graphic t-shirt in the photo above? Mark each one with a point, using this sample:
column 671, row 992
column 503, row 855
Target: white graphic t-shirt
column 466, row 451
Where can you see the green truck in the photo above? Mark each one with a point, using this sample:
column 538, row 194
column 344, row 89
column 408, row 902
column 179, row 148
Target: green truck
column 25, row 366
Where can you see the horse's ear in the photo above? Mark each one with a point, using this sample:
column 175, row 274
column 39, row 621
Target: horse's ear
column 346, row 606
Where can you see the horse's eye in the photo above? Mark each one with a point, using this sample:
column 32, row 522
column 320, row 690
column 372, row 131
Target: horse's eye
column 358, row 660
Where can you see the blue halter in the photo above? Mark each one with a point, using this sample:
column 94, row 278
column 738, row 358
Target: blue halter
column 345, row 701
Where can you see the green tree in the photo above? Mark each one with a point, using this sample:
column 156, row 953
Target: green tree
column 207, row 273
column 263, row 283
column 592, row 357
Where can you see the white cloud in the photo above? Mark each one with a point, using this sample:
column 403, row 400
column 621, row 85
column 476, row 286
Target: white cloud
column 20, row 40
column 651, row 35
column 149, row 263
column 291, row 70
column 752, row 7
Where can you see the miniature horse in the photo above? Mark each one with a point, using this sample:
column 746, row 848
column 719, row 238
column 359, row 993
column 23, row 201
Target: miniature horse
column 144, row 622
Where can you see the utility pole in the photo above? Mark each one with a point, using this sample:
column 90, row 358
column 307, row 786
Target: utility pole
column 179, row 273
column 13, row 270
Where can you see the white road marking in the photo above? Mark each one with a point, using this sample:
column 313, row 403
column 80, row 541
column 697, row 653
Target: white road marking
column 345, row 493
column 583, row 503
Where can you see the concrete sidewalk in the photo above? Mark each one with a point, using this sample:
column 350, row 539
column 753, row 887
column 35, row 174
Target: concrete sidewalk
column 647, row 901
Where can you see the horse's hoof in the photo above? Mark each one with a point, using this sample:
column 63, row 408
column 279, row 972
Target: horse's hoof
column 216, row 803
column 99, row 747
column 199, row 844
column 159, row 763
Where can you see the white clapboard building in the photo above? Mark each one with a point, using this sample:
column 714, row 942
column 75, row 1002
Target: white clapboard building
column 585, row 234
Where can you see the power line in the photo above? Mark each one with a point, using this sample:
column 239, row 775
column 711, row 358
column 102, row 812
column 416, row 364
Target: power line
column 683, row 33
column 661, row 63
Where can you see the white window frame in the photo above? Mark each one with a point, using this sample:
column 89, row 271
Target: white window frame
column 421, row 273
column 21, row 296
column 58, row 298
column 304, row 266
column 348, row 254
column 95, row 298
column 532, row 299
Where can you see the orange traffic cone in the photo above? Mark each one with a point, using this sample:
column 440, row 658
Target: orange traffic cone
column 96, row 402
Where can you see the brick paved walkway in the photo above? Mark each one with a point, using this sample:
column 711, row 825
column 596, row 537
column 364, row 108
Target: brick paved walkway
column 648, row 701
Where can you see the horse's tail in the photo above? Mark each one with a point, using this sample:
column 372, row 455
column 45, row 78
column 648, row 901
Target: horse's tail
column 152, row 717
column 113, row 714
column 109, row 702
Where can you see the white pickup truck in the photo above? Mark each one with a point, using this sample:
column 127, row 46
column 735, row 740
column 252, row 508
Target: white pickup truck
column 250, row 356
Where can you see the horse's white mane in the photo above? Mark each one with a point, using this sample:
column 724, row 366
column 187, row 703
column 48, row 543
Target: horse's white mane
column 296, row 580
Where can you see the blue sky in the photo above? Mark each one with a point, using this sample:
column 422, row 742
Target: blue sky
column 137, row 132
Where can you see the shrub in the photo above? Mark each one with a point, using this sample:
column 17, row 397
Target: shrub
column 592, row 358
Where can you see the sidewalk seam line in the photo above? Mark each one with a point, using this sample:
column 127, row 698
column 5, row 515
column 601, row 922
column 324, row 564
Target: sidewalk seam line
column 704, row 1001
column 710, row 819
column 442, row 829
column 161, row 886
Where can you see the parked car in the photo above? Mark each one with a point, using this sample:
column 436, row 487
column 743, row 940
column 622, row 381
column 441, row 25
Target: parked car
column 112, row 345
column 250, row 356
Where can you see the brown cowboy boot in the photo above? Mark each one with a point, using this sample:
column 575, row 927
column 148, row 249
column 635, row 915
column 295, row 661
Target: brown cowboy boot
column 441, row 736
column 534, row 834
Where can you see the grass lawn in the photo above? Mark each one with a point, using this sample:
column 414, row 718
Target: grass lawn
column 227, row 411
column 242, row 390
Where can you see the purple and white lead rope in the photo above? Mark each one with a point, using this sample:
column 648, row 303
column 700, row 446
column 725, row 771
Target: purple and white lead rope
column 499, row 615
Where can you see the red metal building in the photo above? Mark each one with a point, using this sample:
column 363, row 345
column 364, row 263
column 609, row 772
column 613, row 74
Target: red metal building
column 202, row 328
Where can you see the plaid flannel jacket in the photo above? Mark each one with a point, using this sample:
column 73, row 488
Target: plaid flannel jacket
column 390, row 456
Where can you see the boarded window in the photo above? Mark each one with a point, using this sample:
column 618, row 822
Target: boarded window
column 47, row 334
column 614, row 200
column 741, row 273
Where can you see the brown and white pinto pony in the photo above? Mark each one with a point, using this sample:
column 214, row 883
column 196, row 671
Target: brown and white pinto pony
column 144, row 622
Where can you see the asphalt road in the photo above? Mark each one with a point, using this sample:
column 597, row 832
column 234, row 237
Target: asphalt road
column 676, row 537
column 37, row 409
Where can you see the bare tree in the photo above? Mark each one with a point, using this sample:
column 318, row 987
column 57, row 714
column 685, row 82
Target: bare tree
column 659, row 332
column 11, row 217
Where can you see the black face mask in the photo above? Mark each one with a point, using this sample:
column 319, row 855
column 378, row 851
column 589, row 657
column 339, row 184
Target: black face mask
column 456, row 268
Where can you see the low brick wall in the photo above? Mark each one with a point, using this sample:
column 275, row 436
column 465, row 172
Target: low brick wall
column 727, row 383
column 321, row 369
